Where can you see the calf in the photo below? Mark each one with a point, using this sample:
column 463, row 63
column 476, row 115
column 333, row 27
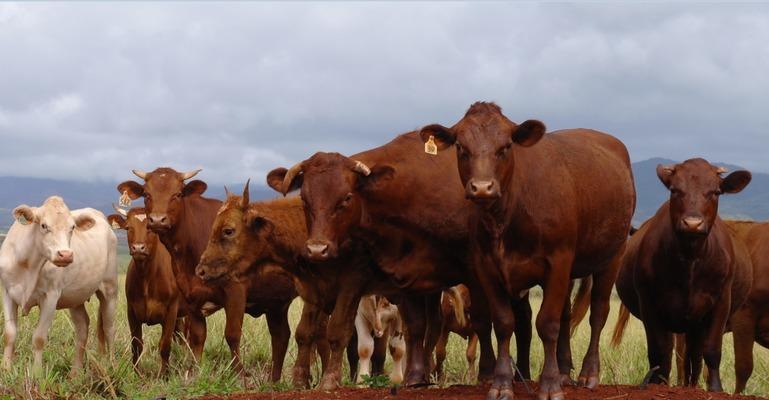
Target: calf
column 685, row 272
column 182, row 218
column 247, row 236
column 377, row 317
column 150, row 287
column 455, row 317
column 55, row 258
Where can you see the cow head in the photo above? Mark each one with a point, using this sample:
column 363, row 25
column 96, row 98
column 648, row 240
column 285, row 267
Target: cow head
column 484, row 139
column 53, row 227
column 141, row 240
column 331, row 188
column 239, row 238
column 695, row 186
column 163, row 191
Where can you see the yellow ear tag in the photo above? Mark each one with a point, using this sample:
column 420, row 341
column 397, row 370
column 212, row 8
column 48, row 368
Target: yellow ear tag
column 124, row 201
column 115, row 225
column 22, row 220
column 430, row 147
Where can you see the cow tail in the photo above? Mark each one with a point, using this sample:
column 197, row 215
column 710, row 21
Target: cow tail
column 619, row 328
column 581, row 303
column 458, row 304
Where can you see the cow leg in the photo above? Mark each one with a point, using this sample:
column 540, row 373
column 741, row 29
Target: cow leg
column 10, row 314
column 197, row 333
column 472, row 347
column 379, row 355
column 713, row 340
column 340, row 328
column 659, row 344
column 600, row 299
column 413, row 313
column 277, row 323
column 481, row 323
column 556, row 291
column 693, row 360
column 80, row 321
column 432, row 330
column 40, row 336
column 137, row 342
column 305, row 336
column 365, row 347
column 563, row 348
column 522, row 311
column 105, row 323
column 167, row 335
column 743, row 324
column 397, row 350
column 679, row 351
column 234, row 311
column 352, row 355
column 440, row 351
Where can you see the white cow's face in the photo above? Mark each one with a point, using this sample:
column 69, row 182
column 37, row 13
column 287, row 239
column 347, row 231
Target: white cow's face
column 53, row 229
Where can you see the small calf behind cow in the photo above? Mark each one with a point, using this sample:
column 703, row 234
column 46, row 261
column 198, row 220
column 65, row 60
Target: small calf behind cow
column 55, row 258
column 455, row 317
column 377, row 317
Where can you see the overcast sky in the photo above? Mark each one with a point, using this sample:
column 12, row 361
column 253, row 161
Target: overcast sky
column 91, row 90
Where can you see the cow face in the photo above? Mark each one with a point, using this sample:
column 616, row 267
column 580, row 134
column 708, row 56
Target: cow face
column 484, row 139
column 53, row 228
column 331, row 189
column 141, row 240
column 239, row 238
column 163, row 191
column 695, row 186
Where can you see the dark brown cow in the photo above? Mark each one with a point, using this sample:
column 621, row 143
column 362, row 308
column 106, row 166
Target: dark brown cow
column 150, row 287
column 684, row 271
column 750, row 323
column 244, row 237
column 410, row 211
column 182, row 218
column 455, row 317
column 550, row 208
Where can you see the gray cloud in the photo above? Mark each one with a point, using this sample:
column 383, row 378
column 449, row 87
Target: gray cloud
column 91, row 90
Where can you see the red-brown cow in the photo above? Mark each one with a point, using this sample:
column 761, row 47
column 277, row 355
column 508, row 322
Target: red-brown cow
column 551, row 208
column 150, row 287
column 183, row 218
column 246, row 236
column 685, row 272
column 409, row 210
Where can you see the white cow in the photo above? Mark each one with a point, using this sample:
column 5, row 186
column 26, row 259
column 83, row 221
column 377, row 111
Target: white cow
column 378, row 317
column 55, row 258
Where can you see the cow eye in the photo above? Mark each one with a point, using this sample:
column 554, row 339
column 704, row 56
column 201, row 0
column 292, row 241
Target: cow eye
column 503, row 151
column 44, row 226
column 228, row 232
column 675, row 191
column 345, row 202
column 178, row 195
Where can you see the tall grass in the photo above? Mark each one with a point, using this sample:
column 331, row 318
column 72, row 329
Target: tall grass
column 106, row 377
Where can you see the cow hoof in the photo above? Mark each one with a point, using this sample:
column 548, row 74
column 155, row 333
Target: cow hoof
column 566, row 380
column 550, row 396
column 493, row 394
column 590, row 382
column 328, row 385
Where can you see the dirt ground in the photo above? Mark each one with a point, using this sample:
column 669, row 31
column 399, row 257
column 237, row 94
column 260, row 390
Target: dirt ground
column 479, row 392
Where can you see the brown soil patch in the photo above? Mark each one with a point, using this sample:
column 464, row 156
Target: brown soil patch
column 603, row 392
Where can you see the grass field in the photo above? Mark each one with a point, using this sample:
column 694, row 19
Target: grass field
column 116, row 378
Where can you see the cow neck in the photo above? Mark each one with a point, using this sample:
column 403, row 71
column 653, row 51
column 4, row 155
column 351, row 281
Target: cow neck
column 187, row 240
column 149, row 268
column 290, row 230
column 689, row 253
column 504, row 213
column 27, row 254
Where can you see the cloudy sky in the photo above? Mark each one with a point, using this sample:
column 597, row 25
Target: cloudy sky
column 90, row 90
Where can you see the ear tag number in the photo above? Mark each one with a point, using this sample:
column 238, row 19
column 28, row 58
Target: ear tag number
column 115, row 225
column 23, row 220
column 430, row 147
column 124, row 201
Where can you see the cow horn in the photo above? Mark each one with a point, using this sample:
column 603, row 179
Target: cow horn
column 290, row 175
column 361, row 168
column 188, row 175
column 140, row 174
column 721, row 170
column 226, row 191
column 246, row 195
column 120, row 211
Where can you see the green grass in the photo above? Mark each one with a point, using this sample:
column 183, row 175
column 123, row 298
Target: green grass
column 115, row 378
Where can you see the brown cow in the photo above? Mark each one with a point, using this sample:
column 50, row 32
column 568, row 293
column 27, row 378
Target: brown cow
column 455, row 317
column 409, row 210
column 551, row 208
column 182, row 218
column 750, row 323
column 684, row 271
column 150, row 287
column 244, row 237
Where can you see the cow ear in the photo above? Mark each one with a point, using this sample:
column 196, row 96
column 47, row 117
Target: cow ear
column 665, row 172
column 134, row 189
column 442, row 137
column 735, row 182
column 276, row 177
column 258, row 223
column 116, row 221
column 529, row 133
column 194, row 187
column 84, row 222
column 378, row 175
column 25, row 214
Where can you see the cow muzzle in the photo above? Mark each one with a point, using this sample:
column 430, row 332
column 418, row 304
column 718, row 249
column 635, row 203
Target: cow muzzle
column 139, row 251
column 63, row 258
column 318, row 250
column 693, row 225
column 207, row 274
column 482, row 190
column 159, row 222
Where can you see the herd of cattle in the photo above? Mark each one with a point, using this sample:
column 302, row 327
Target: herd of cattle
column 440, row 230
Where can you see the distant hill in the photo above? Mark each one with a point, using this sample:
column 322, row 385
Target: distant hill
column 752, row 203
